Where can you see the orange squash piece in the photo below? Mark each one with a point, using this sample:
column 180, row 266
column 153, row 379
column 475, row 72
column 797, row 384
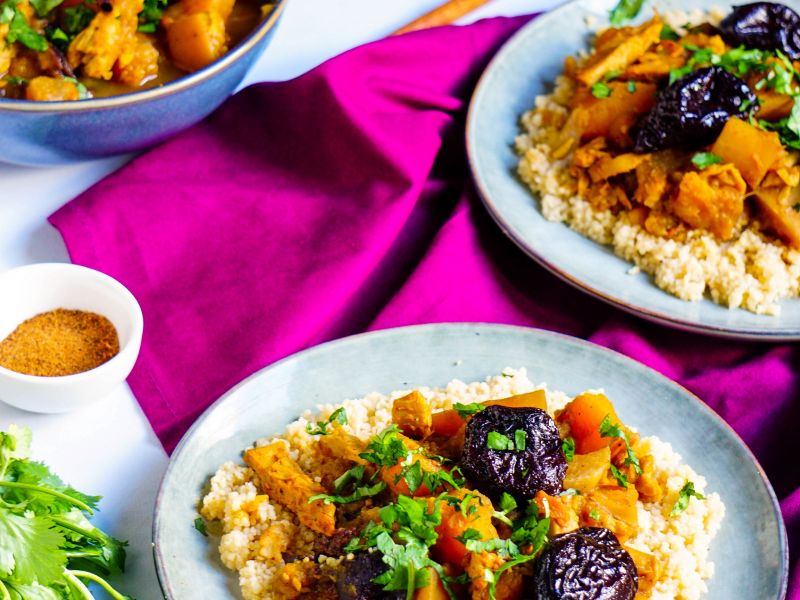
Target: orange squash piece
column 412, row 414
column 584, row 415
column 613, row 116
column 477, row 515
column 751, row 149
column 712, row 199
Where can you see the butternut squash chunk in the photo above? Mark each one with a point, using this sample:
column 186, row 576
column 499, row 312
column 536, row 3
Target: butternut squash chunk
column 618, row 57
column 712, row 199
column 778, row 211
column 586, row 470
column 283, row 481
column 412, row 414
column 51, row 89
column 434, row 590
column 615, row 115
column 584, row 415
column 340, row 444
column 751, row 149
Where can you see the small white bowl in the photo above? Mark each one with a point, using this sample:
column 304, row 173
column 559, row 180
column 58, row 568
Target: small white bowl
column 33, row 289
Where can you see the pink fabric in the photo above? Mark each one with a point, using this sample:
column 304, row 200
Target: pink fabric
column 338, row 202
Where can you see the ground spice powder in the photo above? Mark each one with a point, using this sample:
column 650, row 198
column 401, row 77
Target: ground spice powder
column 60, row 342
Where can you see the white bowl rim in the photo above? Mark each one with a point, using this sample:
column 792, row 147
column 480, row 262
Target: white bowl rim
column 130, row 98
column 133, row 309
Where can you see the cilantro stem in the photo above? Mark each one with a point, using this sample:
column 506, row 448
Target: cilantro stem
column 4, row 589
column 411, row 586
column 101, row 582
column 35, row 488
column 78, row 585
column 72, row 527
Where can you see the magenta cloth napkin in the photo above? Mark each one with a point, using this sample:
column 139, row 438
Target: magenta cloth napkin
column 339, row 202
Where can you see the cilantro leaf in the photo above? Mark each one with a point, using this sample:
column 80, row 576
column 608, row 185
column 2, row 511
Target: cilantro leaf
column 631, row 86
column 151, row 14
column 520, row 437
column 37, row 474
column 601, row 90
column 338, row 416
column 609, row 430
column 625, row 11
column 76, row 18
column 385, row 448
column 703, row 160
column 467, row 410
column 18, row 28
column 568, row 448
column 668, row 33
column 686, row 493
column 359, row 493
column 42, row 7
column 622, row 480
column 497, row 441
column 100, row 550
column 200, row 526
column 30, row 550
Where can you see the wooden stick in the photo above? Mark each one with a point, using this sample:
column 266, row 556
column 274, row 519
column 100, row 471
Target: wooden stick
column 443, row 15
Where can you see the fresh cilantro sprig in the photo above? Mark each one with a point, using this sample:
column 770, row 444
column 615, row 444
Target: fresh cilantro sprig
column 686, row 493
column 607, row 429
column 151, row 15
column 467, row 410
column 703, row 160
column 499, row 441
column 48, row 547
column 621, row 478
column 351, row 479
column 18, row 28
column 338, row 416
column 625, row 10
column 601, row 90
column 568, row 448
column 507, row 504
column 386, row 448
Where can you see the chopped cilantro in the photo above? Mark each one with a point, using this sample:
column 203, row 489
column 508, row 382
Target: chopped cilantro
column 507, row 504
column 703, row 160
column 338, row 416
column 601, row 90
column 609, row 430
column 42, row 7
column 76, row 18
column 625, row 10
column 520, row 437
column 497, row 441
column 18, row 28
column 622, row 480
column 200, row 525
column 612, row 74
column 686, row 493
column 469, row 535
column 668, row 33
column 385, row 448
column 83, row 92
column 594, row 514
column 568, row 448
column 631, row 87
column 467, row 410
column 151, row 14
column 350, row 480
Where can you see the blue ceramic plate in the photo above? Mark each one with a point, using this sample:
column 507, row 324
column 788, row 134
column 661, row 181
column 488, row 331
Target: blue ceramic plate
column 750, row 550
column 525, row 68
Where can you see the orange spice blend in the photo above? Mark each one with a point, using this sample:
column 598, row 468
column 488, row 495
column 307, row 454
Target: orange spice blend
column 59, row 342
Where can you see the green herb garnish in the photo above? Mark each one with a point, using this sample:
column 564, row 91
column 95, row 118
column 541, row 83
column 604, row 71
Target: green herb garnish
column 625, row 11
column 18, row 28
column 520, row 437
column 507, row 504
column 609, row 430
column 601, row 90
column 467, row 410
column 568, row 448
column 622, row 480
column 338, row 416
column 703, row 160
column 151, row 15
column 631, row 87
column 385, row 448
column 200, row 525
column 47, row 544
column 497, row 441
column 668, row 33
column 686, row 493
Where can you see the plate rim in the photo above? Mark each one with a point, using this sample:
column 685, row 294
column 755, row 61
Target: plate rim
column 508, row 229
column 466, row 327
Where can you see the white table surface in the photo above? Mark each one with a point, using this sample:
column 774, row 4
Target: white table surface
column 109, row 448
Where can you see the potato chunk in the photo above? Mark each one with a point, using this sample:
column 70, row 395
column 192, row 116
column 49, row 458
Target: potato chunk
column 633, row 43
column 711, row 199
column 412, row 414
column 284, row 481
column 51, row 89
column 586, row 470
column 751, row 149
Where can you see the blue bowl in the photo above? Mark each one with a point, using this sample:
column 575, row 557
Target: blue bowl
column 49, row 133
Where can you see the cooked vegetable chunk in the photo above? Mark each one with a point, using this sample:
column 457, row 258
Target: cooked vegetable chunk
column 587, row 470
column 752, row 150
column 196, row 33
column 584, row 414
column 284, row 481
column 412, row 414
column 51, row 89
column 712, row 199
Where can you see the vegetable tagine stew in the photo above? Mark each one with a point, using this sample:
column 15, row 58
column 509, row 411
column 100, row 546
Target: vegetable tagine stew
column 74, row 49
column 532, row 495
column 685, row 133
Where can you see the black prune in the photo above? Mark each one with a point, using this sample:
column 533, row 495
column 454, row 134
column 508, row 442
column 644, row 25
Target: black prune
column 691, row 112
column 354, row 579
column 763, row 25
column 520, row 472
column 585, row 564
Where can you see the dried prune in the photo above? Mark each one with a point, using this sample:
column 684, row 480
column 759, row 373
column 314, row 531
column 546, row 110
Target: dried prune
column 532, row 461
column 354, row 579
column 691, row 113
column 763, row 25
column 585, row 564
